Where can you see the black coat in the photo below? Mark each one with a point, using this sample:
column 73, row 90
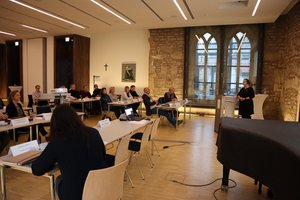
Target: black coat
column 246, row 106
column 11, row 110
column 74, row 159
column 148, row 103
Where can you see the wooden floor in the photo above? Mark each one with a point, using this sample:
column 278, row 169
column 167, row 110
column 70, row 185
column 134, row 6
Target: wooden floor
column 193, row 163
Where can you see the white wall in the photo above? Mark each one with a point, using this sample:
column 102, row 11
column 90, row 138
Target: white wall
column 33, row 60
column 50, row 63
column 115, row 48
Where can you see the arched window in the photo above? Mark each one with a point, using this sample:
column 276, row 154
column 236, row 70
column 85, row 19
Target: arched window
column 238, row 62
column 205, row 69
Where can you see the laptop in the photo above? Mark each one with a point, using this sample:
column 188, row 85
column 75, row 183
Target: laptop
column 131, row 116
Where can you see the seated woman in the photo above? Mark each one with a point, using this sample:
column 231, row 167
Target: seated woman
column 14, row 109
column 112, row 94
column 127, row 96
column 106, row 99
column 4, row 138
column 76, row 149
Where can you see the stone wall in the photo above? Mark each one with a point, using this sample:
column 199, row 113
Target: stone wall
column 166, row 61
column 281, row 67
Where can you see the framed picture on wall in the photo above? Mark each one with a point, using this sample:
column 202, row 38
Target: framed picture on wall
column 128, row 72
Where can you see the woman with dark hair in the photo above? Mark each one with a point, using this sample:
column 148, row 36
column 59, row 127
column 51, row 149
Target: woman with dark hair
column 76, row 149
column 14, row 110
column 245, row 96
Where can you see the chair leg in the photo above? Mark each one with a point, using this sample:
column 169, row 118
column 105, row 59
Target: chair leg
column 127, row 175
column 156, row 149
column 142, row 175
column 149, row 158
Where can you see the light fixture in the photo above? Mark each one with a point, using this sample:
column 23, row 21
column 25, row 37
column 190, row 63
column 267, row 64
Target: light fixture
column 33, row 28
column 6, row 33
column 201, row 44
column 255, row 8
column 46, row 13
column 110, row 11
column 16, row 43
column 67, row 39
column 241, row 42
column 180, row 10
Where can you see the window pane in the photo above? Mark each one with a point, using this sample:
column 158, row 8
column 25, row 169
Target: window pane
column 199, row 90
column 232, row 58
column 233, row 44
column 244, row 73
column 211, row 74
column 240, row 35
column 213, row 44
column 245, row 57
column 199, row 74
column 246, row 44
column 200, row 57
column 207, row 36
column 210, row 91
column 231, row 89
column 231, row 74
column 212, row 57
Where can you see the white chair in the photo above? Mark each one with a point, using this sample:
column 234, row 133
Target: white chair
column 152, row 137
column 137, row 145
column 228, row 106
column 105, row 184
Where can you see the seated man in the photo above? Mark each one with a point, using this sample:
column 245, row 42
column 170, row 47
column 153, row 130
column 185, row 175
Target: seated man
column 4, row 137
column 150, row 105
column 135, row 96
column 96, row 92
column 74, row 93
column 170, row 96
column 85, row 92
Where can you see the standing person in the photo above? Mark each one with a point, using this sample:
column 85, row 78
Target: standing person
column 36, row 94
column 14, row 109
column 76, row 149
column 170, row 96
column 245, row 96
column 150, row 105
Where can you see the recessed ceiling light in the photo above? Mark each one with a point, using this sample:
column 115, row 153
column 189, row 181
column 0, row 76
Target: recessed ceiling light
column 255, row 8
column 67, row 39
column 16, row 43
column 180, row 10
column 33, row 28
column 46, row 13
column 110, row 11
column 6, row 33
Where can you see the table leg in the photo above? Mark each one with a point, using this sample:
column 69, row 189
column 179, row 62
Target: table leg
column 225, row 178
column 82, row 107
column 190, row 110
column 37, row 132
column 30, row 133
column 108, row 108
column 3, row 188
column 52, row 187
column 14, row 135
column 184, row 112
column 176, row 118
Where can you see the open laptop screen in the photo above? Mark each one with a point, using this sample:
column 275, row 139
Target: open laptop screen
column 129, row 112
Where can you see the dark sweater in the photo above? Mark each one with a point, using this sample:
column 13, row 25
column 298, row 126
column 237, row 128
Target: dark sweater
column 148, row 102
column 75, row 159
column 12, row 112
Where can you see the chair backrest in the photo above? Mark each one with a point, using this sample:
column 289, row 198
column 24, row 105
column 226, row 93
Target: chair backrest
column 154, row 128
column 43, row 109
column 30, row 101
column 122, row 152
column 145, row 137
column 105, row 184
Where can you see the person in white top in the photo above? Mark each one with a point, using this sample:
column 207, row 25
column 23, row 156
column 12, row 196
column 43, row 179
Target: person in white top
column 112, row 94
column 126, row 95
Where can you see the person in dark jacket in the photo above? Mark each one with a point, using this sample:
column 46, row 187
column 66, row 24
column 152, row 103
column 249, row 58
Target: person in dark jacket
column 150, row 105
column 74, row 93
column 14, row 110
column 245, row 96
column 170, row 96
column 75, row 148
column 106, row 99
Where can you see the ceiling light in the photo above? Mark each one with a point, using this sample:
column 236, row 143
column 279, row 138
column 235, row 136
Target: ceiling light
column 33, row 28
column 110, row 11
column 180, row 10
column 6, row 33
column 16, row 43
column 46, row 13
column 201, row 44
column 256, row 6
column 67, row 39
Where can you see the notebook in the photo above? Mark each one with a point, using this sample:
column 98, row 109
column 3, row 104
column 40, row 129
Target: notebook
column 131, row 116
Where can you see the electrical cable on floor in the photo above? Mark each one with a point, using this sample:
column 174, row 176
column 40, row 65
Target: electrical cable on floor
column 207, row 184
column 174, row 145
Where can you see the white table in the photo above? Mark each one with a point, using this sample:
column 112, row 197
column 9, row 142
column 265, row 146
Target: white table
column 83, row 101
column 124, row 103
column 228, row 106
column 175, row 105
column 258, row 103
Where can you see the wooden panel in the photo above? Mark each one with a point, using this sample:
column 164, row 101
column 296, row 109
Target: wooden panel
column 3, row 72
column 81, row 60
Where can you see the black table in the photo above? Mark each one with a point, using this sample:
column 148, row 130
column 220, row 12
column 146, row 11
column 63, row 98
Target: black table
column 266, row 150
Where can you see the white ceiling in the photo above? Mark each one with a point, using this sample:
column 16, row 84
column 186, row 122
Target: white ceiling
column 144, row 14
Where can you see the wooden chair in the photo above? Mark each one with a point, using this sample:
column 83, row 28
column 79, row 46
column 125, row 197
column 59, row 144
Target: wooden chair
column 105, row 184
